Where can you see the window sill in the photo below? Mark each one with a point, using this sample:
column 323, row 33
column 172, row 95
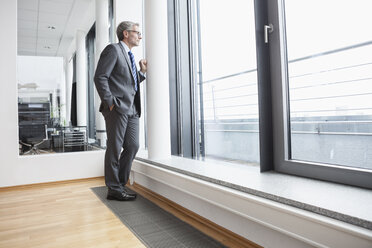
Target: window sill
column 341, row 202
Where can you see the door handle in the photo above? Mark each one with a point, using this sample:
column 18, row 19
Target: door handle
column 268, row 29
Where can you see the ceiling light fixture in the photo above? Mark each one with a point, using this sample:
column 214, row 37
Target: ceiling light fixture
column 51, row 27
column 47, row 47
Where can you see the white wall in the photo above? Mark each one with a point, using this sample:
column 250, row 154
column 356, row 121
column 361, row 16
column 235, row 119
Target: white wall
column 46, row 72
column 16, row 170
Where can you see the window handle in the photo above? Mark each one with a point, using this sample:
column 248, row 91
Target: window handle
column 268, row 29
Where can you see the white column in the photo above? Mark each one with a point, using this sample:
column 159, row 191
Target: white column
column 157, row 85
column 102, row 40
column 54, row 110
column 81, row 79
column 68, row 78
column 62, row 98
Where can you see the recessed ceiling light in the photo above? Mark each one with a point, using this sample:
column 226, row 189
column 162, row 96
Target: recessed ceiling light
column 47, row 47
column 51, row 27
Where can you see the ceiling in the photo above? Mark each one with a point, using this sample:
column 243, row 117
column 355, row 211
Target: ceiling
column 48, row 27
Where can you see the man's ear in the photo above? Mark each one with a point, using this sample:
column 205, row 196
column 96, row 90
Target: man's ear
column 125, row 33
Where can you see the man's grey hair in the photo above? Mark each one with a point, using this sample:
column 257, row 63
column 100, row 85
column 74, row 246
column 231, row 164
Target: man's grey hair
column 126, row 25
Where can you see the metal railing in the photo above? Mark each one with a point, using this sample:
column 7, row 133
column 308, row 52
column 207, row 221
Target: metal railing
column 316, row 126
column 219, row 101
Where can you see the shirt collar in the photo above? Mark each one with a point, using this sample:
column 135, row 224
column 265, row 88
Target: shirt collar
column 125, row 47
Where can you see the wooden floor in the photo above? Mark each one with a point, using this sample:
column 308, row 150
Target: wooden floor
column 64, row 214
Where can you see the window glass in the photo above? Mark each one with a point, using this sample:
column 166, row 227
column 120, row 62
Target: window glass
column 329, row 50
column 226, row 79
column 49, row 120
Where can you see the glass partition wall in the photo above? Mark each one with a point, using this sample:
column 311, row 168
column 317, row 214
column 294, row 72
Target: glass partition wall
column 48, row 91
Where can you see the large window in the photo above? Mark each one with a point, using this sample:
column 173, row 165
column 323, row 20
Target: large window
column 321, row 84
column 49, row 89
column 295, row 99
column 226, row 80
column 330, row 81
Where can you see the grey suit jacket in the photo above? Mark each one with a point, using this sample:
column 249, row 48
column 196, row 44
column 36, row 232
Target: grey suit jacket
column 114, row 81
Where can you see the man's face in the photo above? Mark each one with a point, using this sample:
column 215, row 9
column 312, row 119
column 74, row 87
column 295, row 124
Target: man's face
column 133, row 36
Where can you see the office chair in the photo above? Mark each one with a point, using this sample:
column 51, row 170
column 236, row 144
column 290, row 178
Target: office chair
column 33, row 135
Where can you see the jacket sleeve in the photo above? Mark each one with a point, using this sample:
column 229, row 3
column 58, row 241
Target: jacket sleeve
column 106, row 64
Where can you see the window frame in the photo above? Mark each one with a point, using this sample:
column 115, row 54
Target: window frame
column 272, row 91
column 180, row 78
column 90, row 41
column 281, row 122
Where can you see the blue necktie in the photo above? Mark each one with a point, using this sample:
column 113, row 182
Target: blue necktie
column 134, row 69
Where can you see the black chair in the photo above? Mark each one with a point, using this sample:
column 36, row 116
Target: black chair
column 33, row 120
column 32, row 135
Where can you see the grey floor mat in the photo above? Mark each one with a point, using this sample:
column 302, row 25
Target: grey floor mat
column 154, row 226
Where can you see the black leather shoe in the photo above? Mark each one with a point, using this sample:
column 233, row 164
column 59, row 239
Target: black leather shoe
column 120, row 196
column 130, row 193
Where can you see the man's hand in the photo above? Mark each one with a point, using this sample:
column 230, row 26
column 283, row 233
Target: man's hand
column 143, row 65
column 112, row 107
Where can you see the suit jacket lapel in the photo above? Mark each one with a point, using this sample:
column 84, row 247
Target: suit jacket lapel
column 127, row 59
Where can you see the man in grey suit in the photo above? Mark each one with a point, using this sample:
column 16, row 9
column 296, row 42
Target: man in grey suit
column 117, row 81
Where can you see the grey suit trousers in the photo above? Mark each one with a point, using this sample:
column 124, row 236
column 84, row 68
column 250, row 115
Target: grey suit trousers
column 122, row 133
